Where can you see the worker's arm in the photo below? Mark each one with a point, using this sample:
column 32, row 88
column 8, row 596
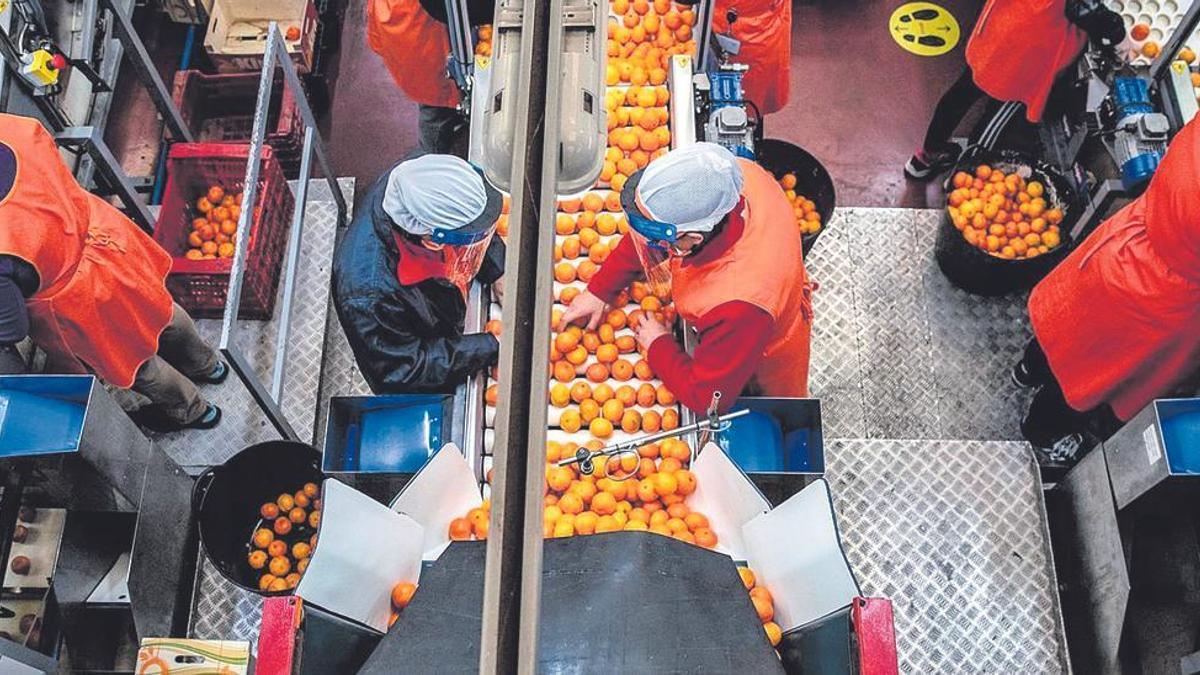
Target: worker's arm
column 394, row 360
column 14, row 319
column 732, row 338
column 620, row 269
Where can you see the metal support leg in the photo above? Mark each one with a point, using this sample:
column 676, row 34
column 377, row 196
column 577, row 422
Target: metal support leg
column 89, row 141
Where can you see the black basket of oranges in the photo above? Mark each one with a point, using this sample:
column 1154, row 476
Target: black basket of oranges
column 259, row 513
column 806, row 183
column 1005, row 225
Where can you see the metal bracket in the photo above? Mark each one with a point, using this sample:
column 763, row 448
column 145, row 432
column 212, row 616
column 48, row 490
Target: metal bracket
column 1097, row 208
column 274, row 57
column 89, row 140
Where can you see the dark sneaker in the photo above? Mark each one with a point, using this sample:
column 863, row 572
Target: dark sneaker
column 1022, row 377
column 217, row 376
column 1064, row 452
column 926, row 163
column 153, row 418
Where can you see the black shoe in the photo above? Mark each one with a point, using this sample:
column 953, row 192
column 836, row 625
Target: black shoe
column 926, row 163
column 153, row 418
column 1022, row 377
column 216, row 376
column 1064, row 452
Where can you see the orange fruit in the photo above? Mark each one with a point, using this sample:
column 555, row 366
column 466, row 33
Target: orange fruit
column 663, row 395
column 765, row 610
column 601, row 428
column 460, row 529
column 670, row 420
column 647, row 493
column 626, row 395
column 622, row 370
column 586, row 270
column 1139, row 31
column 564, row 224
column 774, row 633
column 269, row 511
column 685, row 481
column 281, row 526
column 257, row 559
column 631, row 421
column 607, row 353
column 564, row 371
column 570, row 503
column 665, row 484
column 613, row 410
column 297, row 515
column 570, row 421
column 747, row 576
column 564, row 273
column 590, row 342
column 577, row 356
column 280, row 566
column 580, row 392
column 645, row 395
column 597, row 372
column 604, row 504
column 642, row 370
column 651, row 421
column 1150, row 49
column 402, row 594
column 695, row 521
column 612, row 201
column 589, row 410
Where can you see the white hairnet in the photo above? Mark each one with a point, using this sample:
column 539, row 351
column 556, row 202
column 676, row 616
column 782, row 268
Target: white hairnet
column 692, row 187
column 434, row 191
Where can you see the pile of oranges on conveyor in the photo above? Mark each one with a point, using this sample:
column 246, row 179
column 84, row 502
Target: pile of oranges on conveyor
column 1003, row 214
column 215, row 226
column 600, row 383
column 283, row 541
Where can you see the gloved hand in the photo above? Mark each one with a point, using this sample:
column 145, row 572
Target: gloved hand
column 1104, row 27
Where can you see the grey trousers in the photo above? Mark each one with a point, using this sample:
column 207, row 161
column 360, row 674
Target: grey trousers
column 165, row 378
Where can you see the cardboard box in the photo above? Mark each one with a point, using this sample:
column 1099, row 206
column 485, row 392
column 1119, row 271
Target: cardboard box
column 193, row 657
column 237, row 32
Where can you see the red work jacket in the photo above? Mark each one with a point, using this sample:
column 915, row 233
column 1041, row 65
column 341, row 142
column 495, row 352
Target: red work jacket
column 414, row 47
column 102, row 300
column 1018, row 49
column 765, row 30
column 1119, row 319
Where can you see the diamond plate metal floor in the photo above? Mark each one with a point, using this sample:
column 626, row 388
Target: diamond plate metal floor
column 897, row 351
column 244, row 423
column 954, row 533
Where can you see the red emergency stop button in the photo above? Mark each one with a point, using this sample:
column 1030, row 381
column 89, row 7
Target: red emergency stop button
column 59, row 62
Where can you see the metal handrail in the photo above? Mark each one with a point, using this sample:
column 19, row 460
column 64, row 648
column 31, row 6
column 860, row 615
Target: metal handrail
column 274, row 56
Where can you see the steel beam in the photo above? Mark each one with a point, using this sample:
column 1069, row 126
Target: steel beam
column 89, row 141
column 512, row 577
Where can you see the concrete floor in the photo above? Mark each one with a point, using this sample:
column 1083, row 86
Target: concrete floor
column 859, row 103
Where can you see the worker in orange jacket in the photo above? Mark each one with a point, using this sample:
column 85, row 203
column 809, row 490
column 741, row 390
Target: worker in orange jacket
column 89, row 287
column 1117, row 323
column 764, row 28
column 415, row 48
column 734, row 266
column 1015, row 54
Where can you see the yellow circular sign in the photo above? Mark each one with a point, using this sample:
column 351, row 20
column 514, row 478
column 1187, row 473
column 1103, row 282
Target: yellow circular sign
column 923, row 28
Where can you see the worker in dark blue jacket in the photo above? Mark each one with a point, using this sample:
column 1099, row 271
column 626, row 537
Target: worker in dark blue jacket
column 402, row 272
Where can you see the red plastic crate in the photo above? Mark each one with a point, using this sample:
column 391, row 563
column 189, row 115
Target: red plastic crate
column 220, row 109
column 200, row 286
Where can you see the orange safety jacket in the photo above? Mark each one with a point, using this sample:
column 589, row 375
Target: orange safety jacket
column 415, row 48
column 102, row 300
column 764, row 267
column 764, row 28
column 1019, row 47
column 1119, row 318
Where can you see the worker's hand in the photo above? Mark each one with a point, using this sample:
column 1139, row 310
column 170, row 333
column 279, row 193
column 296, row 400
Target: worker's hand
column 649, row 329
column 498, row 290
column 586, row 308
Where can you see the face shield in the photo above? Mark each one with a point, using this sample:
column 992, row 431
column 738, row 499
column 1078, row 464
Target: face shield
column 463, row 249
column 447, row 205
column 653, row 240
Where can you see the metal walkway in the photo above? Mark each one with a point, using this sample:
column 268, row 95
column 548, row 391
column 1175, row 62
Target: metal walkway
column 952, row 530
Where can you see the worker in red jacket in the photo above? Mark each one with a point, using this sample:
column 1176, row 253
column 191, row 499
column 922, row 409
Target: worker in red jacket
column 89, row 287
column 415, row 48
column 764, row 28
column 719, row 230
column 1015, row 54
column 1117, row 323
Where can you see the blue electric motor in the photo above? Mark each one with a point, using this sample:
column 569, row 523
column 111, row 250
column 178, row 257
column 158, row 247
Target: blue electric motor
column 1140, row 136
